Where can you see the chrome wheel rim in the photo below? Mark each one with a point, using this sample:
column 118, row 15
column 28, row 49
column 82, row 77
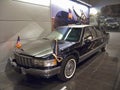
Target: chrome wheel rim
column 70, row 68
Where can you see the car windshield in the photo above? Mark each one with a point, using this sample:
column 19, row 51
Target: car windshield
column 65, row 33
column 58, row 34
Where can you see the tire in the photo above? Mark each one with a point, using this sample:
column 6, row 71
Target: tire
column 103, row 49
column 68, row 68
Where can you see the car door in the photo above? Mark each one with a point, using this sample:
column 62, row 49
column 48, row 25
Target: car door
column 94, row 37
column 87, row 41
column 99, row 37
column 87, row 44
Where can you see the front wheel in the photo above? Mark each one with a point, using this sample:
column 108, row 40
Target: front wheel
column 68, row 68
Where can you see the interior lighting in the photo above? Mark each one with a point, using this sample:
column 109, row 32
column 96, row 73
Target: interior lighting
column 37, row 2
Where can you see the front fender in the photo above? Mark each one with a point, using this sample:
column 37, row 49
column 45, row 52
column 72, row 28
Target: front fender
column 74, row 53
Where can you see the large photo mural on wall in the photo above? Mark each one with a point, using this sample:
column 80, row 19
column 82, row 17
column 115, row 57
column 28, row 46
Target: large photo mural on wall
column 65, row 12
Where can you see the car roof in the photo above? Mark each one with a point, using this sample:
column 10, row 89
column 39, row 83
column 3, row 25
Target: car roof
column 76, row 26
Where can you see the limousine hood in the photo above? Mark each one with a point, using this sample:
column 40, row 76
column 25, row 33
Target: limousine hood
column 41, row 48
column 38, row 48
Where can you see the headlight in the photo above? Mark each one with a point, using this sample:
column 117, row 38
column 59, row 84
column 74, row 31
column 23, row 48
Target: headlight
column 45, row 63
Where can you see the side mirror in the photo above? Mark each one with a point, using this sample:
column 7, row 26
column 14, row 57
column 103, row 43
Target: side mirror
column 88, row 39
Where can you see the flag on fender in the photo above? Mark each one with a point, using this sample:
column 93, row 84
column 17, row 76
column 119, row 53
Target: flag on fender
column 70, row 16
column 18, row 43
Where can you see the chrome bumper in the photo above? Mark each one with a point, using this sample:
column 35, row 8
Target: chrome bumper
column 45, row 73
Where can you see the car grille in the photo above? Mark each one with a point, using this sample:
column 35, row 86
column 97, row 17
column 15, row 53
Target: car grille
column 23, row 60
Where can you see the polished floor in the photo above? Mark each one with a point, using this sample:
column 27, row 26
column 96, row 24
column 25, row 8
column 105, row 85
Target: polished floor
column 99, row 72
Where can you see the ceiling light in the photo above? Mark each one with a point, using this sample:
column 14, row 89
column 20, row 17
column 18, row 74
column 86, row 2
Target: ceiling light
column 37, row 2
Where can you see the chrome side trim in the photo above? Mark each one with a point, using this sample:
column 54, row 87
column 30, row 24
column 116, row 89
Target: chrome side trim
column 83, row 57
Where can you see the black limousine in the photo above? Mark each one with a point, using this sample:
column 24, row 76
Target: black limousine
column 59, row 52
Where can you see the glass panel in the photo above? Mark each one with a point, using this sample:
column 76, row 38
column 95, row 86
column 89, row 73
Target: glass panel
column 94, row 34
column 74, row 35
column 87, row 33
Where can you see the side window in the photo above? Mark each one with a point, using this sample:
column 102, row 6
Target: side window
column 74, row 35
column 87, row 34
column 99, row 33
column 94, row 34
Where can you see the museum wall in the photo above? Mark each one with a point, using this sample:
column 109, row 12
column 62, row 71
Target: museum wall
column 29, row 21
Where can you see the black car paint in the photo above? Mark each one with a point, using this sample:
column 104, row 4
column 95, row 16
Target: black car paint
column 81, row 49
column 78, row 48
